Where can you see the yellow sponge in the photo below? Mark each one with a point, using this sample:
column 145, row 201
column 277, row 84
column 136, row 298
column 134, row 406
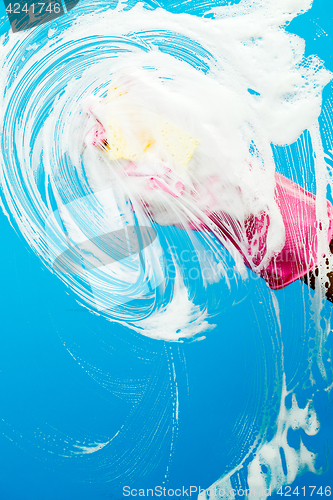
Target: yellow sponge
column 179, row 144
column 135, row 131
column 130, row 146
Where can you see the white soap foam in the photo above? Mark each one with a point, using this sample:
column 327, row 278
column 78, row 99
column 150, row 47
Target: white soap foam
column 244, row 48
column 279, row 471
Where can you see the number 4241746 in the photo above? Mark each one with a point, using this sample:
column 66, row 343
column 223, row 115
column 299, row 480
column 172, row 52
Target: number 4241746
column 286, row 491
column 36, row 8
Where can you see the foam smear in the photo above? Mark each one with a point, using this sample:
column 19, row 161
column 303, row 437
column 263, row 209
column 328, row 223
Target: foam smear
column 270, row 454
column 259, row 89
column 233, row 86
column 281, row 462
column 91, row 448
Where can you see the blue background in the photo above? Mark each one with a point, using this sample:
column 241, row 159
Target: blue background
column 67, row 375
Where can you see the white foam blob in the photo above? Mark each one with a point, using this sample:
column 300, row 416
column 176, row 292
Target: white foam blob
column 282, row 462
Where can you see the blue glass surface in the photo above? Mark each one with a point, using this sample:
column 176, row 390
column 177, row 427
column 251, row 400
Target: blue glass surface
column 71, row 379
